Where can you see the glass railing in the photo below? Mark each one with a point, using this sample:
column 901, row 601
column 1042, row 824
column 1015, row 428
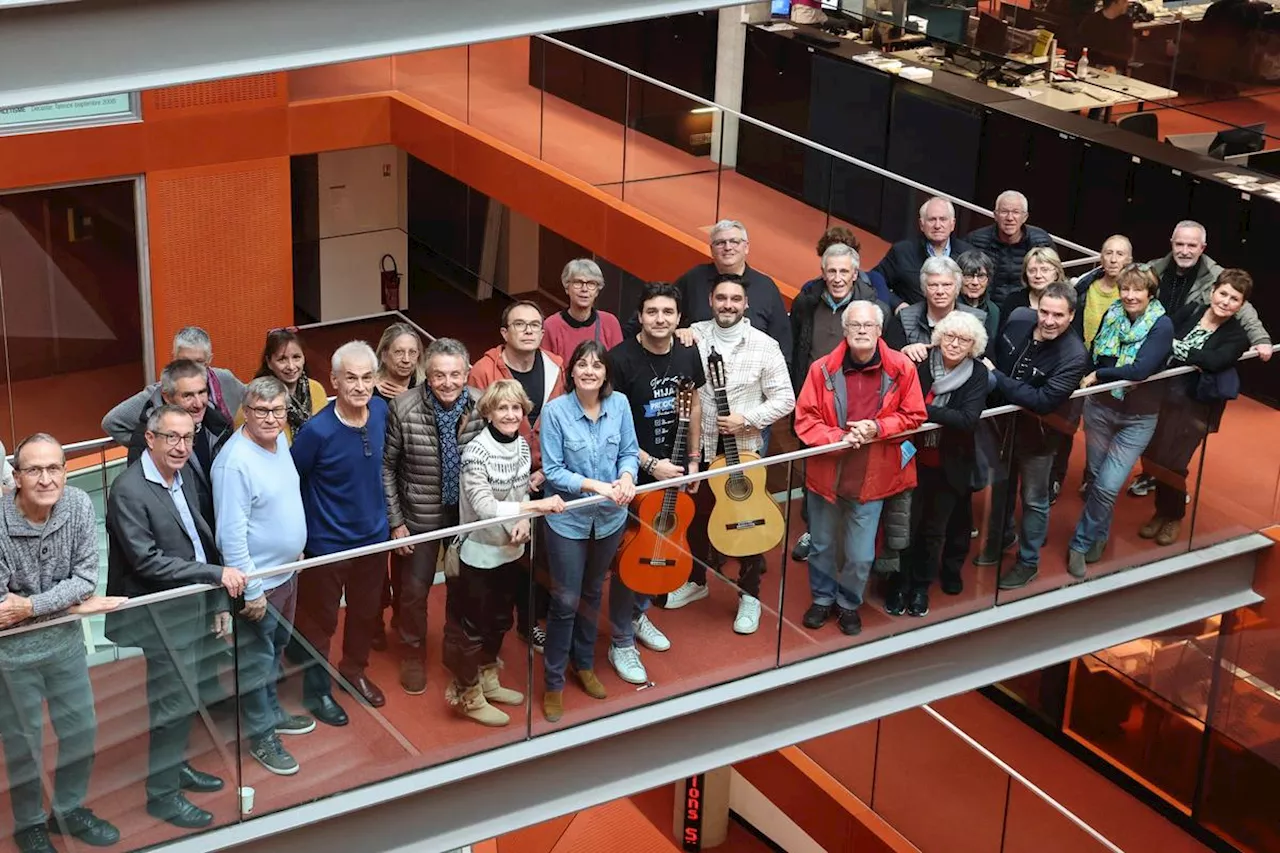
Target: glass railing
column 205, row 693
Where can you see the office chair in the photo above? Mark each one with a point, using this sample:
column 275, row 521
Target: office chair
column 1143, row 124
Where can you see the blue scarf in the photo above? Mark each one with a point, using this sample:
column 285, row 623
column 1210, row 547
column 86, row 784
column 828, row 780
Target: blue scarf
column 1121, row 339
column 831, row 302
column 450, row 456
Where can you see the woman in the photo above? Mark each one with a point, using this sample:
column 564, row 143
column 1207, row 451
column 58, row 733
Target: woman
column 1133, row 342
column 588, row 447
column 494, row 483
column 401, row 361
column 581, row 321
column 1041, row 267
column 1211, row 338
column 282, row 358
column 976, row 269
column 954, row 383
column 1098, row 289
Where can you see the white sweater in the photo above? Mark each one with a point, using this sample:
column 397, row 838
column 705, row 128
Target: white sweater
column 494, row 482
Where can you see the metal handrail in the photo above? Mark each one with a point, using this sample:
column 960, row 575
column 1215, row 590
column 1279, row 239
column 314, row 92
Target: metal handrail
column 1090, row 254
column 580, row 503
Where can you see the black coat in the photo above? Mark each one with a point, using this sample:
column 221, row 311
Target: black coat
column 1056, row 368
column 803, row 308
column 959, row 419
column 213, row 429
column 900, row 266
column 1006, row 278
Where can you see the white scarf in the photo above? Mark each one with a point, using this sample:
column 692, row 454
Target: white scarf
column 724, row 340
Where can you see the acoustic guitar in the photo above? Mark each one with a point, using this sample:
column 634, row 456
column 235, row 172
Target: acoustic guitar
column 745, row 521
column 656, row 560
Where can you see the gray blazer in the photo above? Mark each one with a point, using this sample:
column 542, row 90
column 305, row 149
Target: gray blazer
column 149, row 551
column 121, row 421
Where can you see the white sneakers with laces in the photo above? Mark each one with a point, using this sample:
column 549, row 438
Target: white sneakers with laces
column 748, row 619
column 686, row 594
column 648, row 635
column 626, row 662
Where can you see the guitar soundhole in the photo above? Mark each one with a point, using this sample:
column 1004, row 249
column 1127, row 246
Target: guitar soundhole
column 664, row 522
column 738, row 487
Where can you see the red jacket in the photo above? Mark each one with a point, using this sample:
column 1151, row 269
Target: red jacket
column 491, row 367
column 820, row 419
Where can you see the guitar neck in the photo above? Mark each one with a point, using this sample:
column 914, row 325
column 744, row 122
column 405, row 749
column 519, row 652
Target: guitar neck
column 678, row 454
column 730, row 442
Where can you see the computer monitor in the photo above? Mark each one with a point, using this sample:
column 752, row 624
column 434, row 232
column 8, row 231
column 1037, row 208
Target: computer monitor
column 991, row 35
column 781, row 8
column 1238, row 140
column 948, row 23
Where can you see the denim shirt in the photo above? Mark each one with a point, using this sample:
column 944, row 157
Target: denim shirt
column 575, row 448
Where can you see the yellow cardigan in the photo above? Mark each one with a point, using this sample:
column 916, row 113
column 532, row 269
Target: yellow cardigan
column 319, row 399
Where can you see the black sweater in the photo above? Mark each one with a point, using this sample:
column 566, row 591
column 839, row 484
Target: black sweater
column 959, row 419
column 1007, row 276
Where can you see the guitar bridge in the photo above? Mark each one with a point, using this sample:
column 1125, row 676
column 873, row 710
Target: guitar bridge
column 745, row 524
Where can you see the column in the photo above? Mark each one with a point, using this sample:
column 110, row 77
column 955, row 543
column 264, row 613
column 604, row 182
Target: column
column 731, row 47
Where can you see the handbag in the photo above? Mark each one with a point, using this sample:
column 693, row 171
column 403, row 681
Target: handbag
column 452, row 557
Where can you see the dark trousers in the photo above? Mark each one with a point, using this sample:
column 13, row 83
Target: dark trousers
column 478, row 604
column 533, row 596
column 1180, row 429
column 578, row 571
column 417, row 573
column 258, row 645
column 172, row 692
column 941, row 519
column 320, row 592
column 704, row 553
column 64, row 683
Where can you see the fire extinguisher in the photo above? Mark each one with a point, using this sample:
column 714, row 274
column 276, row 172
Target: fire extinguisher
column 390, row 284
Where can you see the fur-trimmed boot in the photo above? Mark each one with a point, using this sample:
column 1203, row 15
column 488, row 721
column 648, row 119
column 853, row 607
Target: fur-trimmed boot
column 495, row 692
column 470, row 702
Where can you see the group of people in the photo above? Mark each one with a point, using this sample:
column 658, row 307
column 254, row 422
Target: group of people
column 231, row 483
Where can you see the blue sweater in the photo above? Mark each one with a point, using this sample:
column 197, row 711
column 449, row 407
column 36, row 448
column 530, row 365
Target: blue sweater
column 341, row 473
column 258, row 505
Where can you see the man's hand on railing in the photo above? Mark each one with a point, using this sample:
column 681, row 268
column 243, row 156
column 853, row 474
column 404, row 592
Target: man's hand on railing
column 256, row 609
column 14, row 609
column 233, row 581
column 97, row 604
column 400, row 533
column 1263, row 351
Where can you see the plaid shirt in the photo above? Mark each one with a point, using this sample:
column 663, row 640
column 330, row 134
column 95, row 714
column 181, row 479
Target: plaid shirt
column 757, row 385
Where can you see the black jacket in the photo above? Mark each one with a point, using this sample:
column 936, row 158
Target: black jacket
column 911, row 325
column 1056, row 368
column 901, row 266
column 214, row 429
column 768, row 312
column 1007, row 275
column 803, row 308
column 1220, row 353
column 959, row 419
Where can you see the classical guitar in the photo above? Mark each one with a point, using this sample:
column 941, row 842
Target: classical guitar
column 656, row 559
column 745, row 521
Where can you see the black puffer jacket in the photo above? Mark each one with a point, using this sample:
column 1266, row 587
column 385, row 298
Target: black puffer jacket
column 1006, row 278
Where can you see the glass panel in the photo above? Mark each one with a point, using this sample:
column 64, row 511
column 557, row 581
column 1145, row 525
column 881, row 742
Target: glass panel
column 1032, row 826
column 71, row 306
column 849, row 755
column 438, row 78
column 502, row 94
column 361, row 77
column 586, row 108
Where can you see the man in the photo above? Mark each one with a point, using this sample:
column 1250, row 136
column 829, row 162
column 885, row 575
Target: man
column 260, row 525
column 1006, row 241
column 1109, row 36
column 758, row 392
column 860, row 392
column 541, row 373
column 48, row 568
column 338, row 455
column 1039, row 361
column 160, row 536
column 910, row 331
column 190, row 344
column 426, row 431
column 729, row 250
column 184, row 383
column 901, row 264
column 649, row 368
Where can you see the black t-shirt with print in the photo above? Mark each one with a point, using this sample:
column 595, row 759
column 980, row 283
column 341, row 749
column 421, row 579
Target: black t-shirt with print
column 650, row 383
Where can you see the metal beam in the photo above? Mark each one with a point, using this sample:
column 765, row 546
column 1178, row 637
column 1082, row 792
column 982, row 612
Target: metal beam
column 514, row 786
column 83, row 48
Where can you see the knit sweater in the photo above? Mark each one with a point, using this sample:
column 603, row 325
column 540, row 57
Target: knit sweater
column 494, row 482
column 55, row 565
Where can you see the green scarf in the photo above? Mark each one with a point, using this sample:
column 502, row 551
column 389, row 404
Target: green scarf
column 1119, row 338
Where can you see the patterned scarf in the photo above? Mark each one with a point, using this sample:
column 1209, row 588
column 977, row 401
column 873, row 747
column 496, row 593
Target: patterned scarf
column 450, row 456
column 215, row 393
column 1121, row 339
column 299, row 403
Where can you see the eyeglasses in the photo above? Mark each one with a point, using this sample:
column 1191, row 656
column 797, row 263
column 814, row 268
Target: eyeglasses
column 862, row 327
column 584, row 284
column 523, row 325
column 262, row 412
column 37, row 472
column 173, row 439
column 949, row 338
column 727, row 242
column 977, row 276
column 364, row 441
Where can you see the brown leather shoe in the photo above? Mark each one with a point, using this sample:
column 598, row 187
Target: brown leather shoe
column 1169, row 532
column 1152, row 527
column 591, row 684
column 553, row 705
column 413, row 676
column 367, row 690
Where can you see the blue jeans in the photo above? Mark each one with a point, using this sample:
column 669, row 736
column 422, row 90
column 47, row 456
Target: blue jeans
column 1031, row 475
column 1114, row 441
column 844, row 529
column 259, row 645
column 578, row 571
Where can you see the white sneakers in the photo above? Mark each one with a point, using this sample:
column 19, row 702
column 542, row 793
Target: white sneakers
column 648, row 635
column 686, row 594
column 748, row 619
column 626, row 662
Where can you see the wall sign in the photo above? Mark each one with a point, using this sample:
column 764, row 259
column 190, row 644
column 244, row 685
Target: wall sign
column 74, row 112
column 693, row 792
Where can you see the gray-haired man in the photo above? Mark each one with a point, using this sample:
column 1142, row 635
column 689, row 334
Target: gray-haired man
column 48, row 567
